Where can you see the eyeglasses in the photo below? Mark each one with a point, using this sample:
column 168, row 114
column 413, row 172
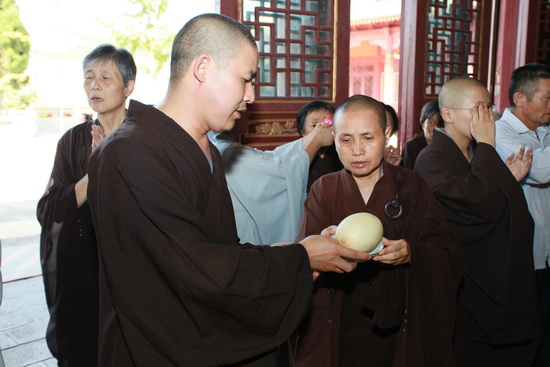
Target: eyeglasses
column 492, row 107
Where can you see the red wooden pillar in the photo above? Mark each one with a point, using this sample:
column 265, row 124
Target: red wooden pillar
column 412, row 77
column 507, row 51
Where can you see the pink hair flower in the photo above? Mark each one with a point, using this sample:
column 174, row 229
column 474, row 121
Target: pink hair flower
column 328, row 120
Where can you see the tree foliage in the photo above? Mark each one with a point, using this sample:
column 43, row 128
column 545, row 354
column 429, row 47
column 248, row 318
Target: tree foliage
column 14, row 51
column 143, row 31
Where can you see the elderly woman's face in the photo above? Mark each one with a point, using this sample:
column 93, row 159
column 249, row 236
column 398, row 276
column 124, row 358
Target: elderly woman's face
column 104, row 87
column 360, row 141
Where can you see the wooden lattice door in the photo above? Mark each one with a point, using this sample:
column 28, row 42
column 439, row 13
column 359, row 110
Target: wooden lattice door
column 441, row 40
column 534, row 23
column 304, row 53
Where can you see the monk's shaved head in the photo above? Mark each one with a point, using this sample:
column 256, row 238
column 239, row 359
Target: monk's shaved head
column 213, row 34
column 454, row 93
column 361, row 102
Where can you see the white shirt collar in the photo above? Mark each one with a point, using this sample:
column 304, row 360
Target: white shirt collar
column 519, row 127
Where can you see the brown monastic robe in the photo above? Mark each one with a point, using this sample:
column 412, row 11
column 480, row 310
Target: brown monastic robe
column 176, row 287
column 489, row 219
column 68, row 254
column 382, row 315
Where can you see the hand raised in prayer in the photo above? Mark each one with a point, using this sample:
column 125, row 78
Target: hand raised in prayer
column 394, row 252
column 520, row 164
column 482, row 125
column 97, row 135
column 392, row 156
column 326, row 254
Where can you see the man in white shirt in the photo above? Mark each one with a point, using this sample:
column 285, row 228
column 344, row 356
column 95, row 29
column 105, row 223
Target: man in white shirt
column 525, row 123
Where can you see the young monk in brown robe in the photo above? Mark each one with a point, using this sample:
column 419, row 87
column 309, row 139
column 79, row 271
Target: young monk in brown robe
column 397, row 309
column 176, row 287
column 488, row 216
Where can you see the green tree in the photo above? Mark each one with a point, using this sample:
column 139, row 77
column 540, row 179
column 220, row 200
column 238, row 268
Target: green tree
column 143, row 31
column 14, row 53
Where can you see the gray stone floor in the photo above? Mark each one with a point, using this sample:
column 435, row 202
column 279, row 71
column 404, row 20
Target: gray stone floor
column 23, row 313
column 23, row 320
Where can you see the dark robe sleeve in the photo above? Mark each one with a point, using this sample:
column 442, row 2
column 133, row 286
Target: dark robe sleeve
column 68, row 253
column 465, row 194
column 59, row 201
column 474, row 197
column 435, row 271
column 57, row 205
column 316, row 342
column 179, row 289
column 419, row 297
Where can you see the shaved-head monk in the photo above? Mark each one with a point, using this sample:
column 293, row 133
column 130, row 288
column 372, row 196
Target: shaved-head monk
column 397, row 309
column 176, row 287
column 489, row 219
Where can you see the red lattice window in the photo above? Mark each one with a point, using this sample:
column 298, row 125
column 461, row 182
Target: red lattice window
column 543, row 52
column 296, row 45
column 369, row 88
column 357, row 86
column 453, row 41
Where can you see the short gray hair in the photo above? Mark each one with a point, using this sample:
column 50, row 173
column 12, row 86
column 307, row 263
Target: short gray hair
column 121, row 57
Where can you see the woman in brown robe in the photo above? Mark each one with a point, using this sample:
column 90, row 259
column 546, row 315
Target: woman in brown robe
column 397, row 309
column 68, row 248
column 430, row 118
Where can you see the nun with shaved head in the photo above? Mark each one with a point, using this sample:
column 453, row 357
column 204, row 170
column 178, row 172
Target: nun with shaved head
column 398, row 308
column 489, row 219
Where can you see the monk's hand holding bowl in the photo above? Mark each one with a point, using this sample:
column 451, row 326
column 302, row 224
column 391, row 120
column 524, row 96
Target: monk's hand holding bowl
column 396, row 252
column 326, row 254
column 329, row 231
